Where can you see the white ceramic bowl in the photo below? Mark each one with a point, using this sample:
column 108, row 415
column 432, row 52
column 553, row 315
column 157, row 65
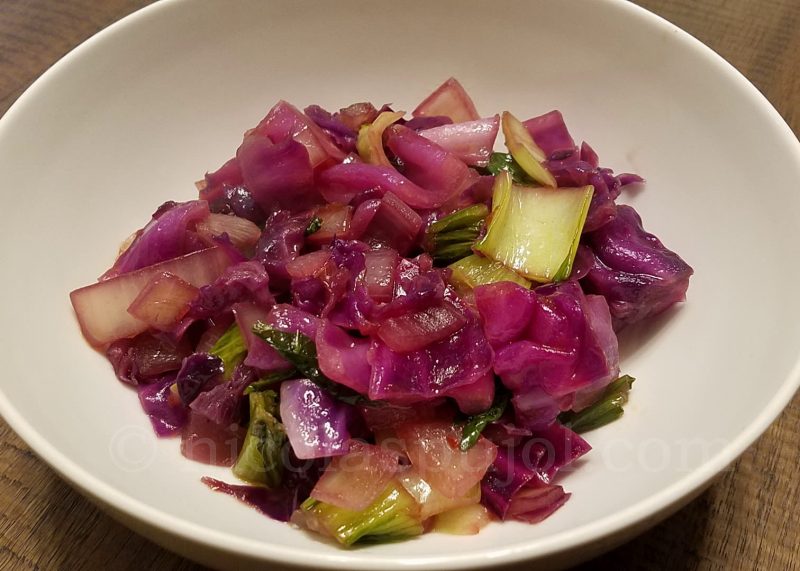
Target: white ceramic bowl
column 136, row 114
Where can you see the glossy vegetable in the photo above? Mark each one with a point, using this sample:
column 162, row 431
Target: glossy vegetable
column 382, row 325
column 535, row 231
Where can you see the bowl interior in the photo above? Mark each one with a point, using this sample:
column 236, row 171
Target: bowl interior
column 134, row 116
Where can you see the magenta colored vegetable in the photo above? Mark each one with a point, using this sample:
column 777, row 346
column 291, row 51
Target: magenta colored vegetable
column 167, row 236
column 145, row 357
column 389, row 224
column 471, row 141
column 550, row 133
column 196, row 373
column 284, row 121
column 281, row 242
column 260, row 355
column 422, row 392
column 557, row 344
column 167, row 413
column 341, row 183
column 428, row 165
column 223, row 403
column 343, row 358
column 278, row 503
column 519, row 485
column 343, row 136
column 208, row 442
column 239, row 201
column 420, row 375
column 213, row 187
column 317, row 424
column 245, row 281
column 278, row 176
column 415, row 331
column 633, row 270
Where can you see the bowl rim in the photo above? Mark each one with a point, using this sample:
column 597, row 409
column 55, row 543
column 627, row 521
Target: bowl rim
column 193, row 533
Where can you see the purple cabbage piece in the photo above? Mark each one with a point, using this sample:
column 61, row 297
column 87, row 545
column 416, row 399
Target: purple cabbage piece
column 239, row 201
column 573, row 166
column 342, row 135
column 549, row 344
column 550, row 132
column 343, row 358
column 518, row 485
column 319, row 295
column 197, row 371
column 638, row 276
column 403, row 378
column 427, row 164
column 227, row 176
column 223, row 403
column 167, row 414
column 281, row 242
column 299, row 478
column 426, row 122
column 278, row 175
column 310, row 294
column 343, row 182
column 145, row 358
column 291, row 319
column 317, row 425
column 245, row 281
column 166, row 237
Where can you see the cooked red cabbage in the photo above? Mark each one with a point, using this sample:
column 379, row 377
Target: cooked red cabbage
column 633, row 270
column 368, row 348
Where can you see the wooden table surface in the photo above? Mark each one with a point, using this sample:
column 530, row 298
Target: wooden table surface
column 747, row 520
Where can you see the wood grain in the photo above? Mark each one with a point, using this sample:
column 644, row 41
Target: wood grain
column 747, row 520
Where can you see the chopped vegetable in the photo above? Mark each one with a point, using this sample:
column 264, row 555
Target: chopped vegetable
column 370, row 138
column 535, row 231
column 231, row 348
column 473, row 271
column 500, row 162
column 464, row 520
column 412, row 360
column 451, row 237
column 525, row 151
column 353, row 481
column 607, row 408
column 392, row 516
column 260, row 461
column 475, row 424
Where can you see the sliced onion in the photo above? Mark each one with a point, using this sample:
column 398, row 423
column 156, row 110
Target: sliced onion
column 163, row 301
column 393, row 225
column 354, row 480
column 417, row 330
column 433, row 449
column 102, row 308
column 335, row 222
column 242, row 233
column 430, row 500
column 308, row 265
column 341, row 183
column 379, row 273
column 471, row 141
